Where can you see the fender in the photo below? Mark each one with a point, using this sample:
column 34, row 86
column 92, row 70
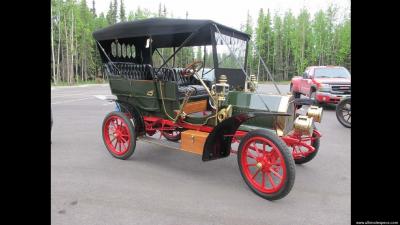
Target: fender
column 218, row 142
column 139, row 126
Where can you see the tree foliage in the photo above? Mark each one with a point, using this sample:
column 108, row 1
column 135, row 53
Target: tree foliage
column 287, row 43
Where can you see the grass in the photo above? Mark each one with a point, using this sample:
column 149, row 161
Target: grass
column 79, row 83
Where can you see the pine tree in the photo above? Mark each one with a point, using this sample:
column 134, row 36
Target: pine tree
column 110, row 13
column 122, row 16
column 115, row 12
column 251, row 64
column 93, row 10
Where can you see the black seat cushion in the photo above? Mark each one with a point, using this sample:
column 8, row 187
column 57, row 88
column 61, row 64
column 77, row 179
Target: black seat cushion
column 130, row 70
column 198, row 91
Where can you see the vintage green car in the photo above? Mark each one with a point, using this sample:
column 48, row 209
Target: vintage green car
column 209, row 107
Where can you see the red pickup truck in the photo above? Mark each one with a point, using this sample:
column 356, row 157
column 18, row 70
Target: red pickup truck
column 327, row 84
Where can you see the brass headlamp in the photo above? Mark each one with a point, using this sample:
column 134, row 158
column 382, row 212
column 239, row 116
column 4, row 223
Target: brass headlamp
column 221, row 89
column 315, row 112
column 303, row 125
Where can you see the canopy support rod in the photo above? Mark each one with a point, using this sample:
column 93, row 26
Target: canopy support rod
column 241, row 67
column 179, row 48
column 101, row 47
column 266, row 68
column 162, row 57
column 173, row 61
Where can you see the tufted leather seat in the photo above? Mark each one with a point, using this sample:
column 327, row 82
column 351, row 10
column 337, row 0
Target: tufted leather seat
column 184, row 83
column 130, row 70
column 134, row 71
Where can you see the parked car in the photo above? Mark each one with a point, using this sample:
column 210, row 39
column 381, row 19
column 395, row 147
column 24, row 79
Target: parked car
column 204, row 113
column 326, row 84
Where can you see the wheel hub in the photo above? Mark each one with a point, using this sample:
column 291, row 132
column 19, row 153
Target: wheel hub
column 118, row 134
column 263, row 164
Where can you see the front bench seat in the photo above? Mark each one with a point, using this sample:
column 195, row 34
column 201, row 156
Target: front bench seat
column 188, row 83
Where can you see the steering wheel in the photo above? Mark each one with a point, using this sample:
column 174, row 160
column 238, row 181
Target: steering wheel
column 192, row 68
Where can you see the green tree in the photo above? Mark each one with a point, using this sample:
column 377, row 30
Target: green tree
column 122, row 16
column 251, row 63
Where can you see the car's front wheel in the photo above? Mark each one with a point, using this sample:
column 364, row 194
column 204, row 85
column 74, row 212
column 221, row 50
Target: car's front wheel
column 266, row 164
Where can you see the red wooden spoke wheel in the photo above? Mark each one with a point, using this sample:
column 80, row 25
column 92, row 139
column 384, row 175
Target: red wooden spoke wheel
column 118, row 135
column 302, row 154
column 266, row 164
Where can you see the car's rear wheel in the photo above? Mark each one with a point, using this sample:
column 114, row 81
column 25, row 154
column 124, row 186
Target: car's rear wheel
column 119, row 135
column 266, row 164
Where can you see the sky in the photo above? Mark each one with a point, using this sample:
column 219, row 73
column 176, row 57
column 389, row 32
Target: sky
column 228, row 12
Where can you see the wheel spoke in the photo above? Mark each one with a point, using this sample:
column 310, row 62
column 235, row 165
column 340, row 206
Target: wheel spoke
column 275, row 173
column 276, row 164
column 250, row 155
column 124, row 146
column 254, row 175
column 252, row 148
column 263, row 180
column 271, row 180
column 253, row 164
column 255, row 147
column 112, row 128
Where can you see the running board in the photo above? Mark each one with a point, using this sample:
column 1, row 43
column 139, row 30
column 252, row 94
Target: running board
column 169, row 144
column 161, row 142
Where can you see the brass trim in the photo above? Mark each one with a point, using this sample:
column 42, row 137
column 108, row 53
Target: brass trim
column 150, row 93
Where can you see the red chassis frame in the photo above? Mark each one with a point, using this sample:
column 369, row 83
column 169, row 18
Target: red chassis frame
column 154, row 124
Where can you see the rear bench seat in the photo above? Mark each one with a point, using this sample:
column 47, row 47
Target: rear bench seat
column 130, row 70
column 134, row 71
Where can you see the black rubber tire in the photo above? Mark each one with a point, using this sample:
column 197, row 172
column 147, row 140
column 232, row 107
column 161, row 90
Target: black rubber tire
column 287, row 157
column 131, row 128
column 315, row 144
column 171, row 138
column 339, row 114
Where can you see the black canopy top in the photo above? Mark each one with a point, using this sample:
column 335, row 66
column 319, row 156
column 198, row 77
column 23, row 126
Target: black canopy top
column 166, row 28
